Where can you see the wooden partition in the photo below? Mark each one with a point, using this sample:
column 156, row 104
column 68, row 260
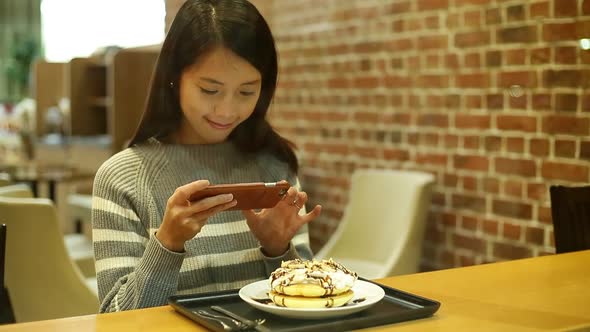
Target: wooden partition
column 130, row 77
column 49, row 86
column 107, row 94
column 89, row 102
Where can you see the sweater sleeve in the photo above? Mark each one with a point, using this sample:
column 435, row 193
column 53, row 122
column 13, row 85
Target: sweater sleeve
column 133, row 269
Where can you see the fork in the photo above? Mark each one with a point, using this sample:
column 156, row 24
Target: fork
column 225, row 321
column 247, row 324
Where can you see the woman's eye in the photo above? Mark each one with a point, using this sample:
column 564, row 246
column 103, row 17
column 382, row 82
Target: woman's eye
column 246, row 93
column 209, row 92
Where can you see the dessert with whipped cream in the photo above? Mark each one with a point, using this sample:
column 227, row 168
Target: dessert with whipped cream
column 311, row 284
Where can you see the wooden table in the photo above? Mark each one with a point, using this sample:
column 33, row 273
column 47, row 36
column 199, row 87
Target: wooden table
column 550, row 293
column 52, row 174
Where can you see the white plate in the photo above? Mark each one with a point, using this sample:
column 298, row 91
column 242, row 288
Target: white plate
column 370, row 292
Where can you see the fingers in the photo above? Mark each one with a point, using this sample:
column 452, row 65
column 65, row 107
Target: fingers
column 299, row 199
column 183, row 193
column 290, row 195
column 202, row 211
column 216, row 207
column 314, row 213
column 194, row 223
column 212, row 202
column 249, row 214
column 317, row 210
column 184, row 219
column 197, row 220
column 295, row 198
column 181, row 198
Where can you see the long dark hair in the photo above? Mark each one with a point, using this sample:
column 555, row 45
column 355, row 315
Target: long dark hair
column 199, row 26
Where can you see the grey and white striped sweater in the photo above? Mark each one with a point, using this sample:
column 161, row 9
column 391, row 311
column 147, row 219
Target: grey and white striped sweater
column 130, row 193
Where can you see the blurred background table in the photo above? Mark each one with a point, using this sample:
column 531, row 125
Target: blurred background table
column 52, row 174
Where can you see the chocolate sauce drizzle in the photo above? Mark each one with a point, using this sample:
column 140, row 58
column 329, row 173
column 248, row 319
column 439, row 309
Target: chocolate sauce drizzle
column 311, row 270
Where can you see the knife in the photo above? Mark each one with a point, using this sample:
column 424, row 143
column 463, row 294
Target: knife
column 252, row 324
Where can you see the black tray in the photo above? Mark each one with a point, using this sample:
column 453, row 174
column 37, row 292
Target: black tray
column 396, row 306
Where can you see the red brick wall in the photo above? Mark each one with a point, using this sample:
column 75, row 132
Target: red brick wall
column 426, row 84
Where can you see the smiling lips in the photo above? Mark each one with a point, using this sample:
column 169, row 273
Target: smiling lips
column 218, row 125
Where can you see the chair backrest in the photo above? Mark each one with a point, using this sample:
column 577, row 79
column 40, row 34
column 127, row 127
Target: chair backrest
column 570, row 211
column 384, row 221
column 16, row 190
column 5, row 179
column 42, row 280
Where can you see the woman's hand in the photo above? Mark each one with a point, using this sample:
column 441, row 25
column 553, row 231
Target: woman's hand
column 274, row 228
column 184, row 219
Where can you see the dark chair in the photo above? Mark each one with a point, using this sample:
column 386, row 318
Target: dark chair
column 6, row 312
column 570, row 210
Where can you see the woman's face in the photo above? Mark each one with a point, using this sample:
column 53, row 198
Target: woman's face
column 217, row 93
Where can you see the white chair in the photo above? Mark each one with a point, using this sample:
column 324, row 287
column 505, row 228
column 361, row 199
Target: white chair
column 80, row 208
column 16, row 190
column 78, row 246
column 5, row 179
column 382, row 228
column 44, row 283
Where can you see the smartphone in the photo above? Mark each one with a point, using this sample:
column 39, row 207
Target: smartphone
column 253, row 195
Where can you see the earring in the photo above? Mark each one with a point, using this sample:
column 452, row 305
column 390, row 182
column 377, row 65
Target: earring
column 171, row 84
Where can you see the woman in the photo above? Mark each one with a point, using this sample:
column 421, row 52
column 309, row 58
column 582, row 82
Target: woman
column 204, row 124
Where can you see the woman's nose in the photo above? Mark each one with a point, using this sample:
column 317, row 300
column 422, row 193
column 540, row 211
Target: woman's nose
column 224, row 108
